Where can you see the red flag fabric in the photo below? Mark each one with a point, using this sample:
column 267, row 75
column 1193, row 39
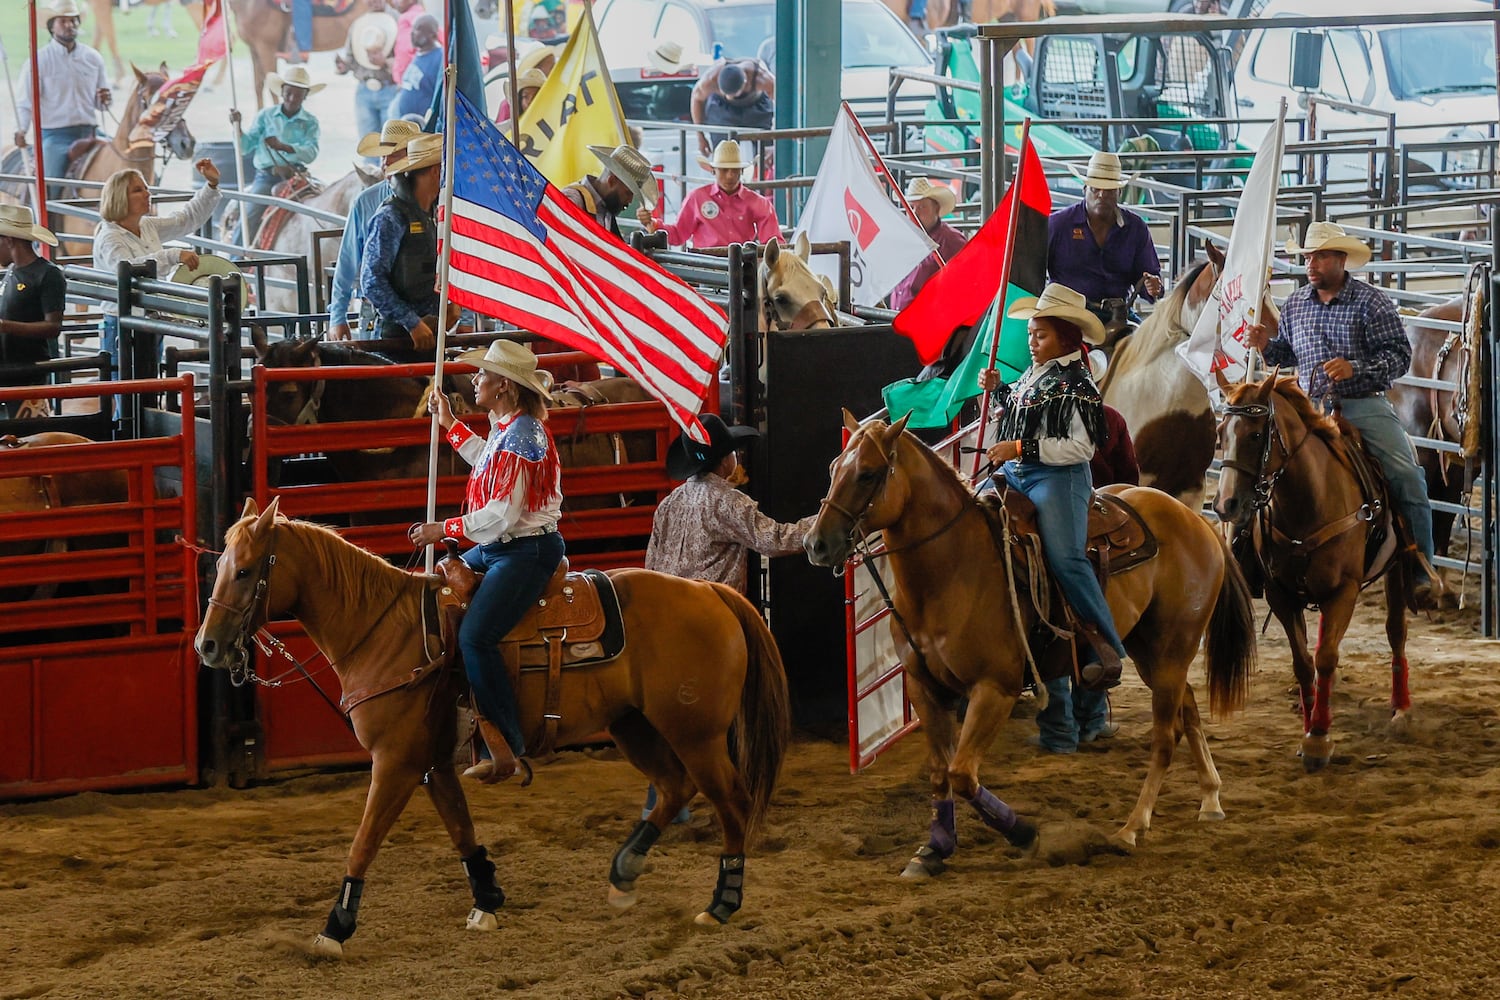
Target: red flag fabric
column 524, row 253
column 212, row 41
column 960, row 293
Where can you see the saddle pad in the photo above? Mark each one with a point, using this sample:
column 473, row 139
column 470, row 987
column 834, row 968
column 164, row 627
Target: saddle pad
column 1117, row 537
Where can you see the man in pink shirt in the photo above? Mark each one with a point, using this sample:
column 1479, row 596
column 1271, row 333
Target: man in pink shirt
column 723, row 212
column 405, row 52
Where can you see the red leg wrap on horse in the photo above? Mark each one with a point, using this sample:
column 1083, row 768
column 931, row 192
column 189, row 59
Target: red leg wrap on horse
column 1400, row 693
column 1322, row 713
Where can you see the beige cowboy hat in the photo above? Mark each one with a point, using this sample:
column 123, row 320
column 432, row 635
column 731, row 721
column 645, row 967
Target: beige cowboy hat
column 533, row 58
column 1331, row 236
column 423, row 151
column 532, row 78
column 372, row 30
column 665, row 57
column 1103, row 172
column 394, row 135
column 1063, row 303
column 295, row 76
column 63, row 8
column 627, row 163
column 515, row 362
column 727, row 156
column 921, row 187
column 17, row 221
column 209, row 264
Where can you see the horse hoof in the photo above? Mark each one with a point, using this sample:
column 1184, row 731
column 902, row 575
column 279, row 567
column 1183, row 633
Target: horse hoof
column 1126, row 838
column 620, row 899
column 326, row 947
column 706, row 919
column 481, row 920
column 1400, row 721
column 1317, row 750
column 920, row 869
column 1211, row 817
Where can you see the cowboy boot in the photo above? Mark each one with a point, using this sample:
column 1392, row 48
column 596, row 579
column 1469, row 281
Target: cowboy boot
column 1425, row 590
column 502, row 763
column 1103, row 672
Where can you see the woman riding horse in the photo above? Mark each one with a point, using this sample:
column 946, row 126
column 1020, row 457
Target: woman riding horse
column 513, row 504
column 1052, row 425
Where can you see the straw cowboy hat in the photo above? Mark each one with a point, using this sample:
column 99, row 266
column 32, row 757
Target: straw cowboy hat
column 921, row 187
column 1103, row 172
column 423, row 151
column 687, row 458
column 1331, row 236
column 532, row 79
column 372, row 30
column 1061, row 302
column 515, row 362
column 63, row 8
column 666, row 57
column 533, row 58
column 727, row 156
column 393, row 136
column 209, row 264
column 295, row 76
column 627, row 163
column 17, row 221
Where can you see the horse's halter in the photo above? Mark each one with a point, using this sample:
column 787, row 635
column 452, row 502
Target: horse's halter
column 856, row 513
column 1265, row 481
column 814, row 313
column 258, row 606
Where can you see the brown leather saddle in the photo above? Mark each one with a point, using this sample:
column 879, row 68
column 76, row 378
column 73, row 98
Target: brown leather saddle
column 576, row 622
column 299, row 187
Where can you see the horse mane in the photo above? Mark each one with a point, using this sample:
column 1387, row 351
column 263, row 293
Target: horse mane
column 1161, row 326
column 1320, row 424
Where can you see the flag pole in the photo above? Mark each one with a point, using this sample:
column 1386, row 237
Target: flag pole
column 1253, row 358
column 513, row 86
column 445, row 235
column 609, row 87
column 226, row 8
column 36, row 131
column 883, row 172
column 1010, row 252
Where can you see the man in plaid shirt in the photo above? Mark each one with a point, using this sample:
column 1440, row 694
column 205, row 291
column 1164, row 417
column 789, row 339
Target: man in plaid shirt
column 1347, row 342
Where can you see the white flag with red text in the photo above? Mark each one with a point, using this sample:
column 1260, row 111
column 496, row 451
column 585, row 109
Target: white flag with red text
column 1218, row 340
column 848, row 202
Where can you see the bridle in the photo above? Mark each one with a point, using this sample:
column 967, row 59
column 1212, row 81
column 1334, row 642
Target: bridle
column 242, row 671
column 1265, row 482
column 813, row 312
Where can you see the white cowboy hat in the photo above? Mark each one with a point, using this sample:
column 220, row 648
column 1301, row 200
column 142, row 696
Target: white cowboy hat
column 209, row 264
column 423, row 151
column 17, row 221
column 372, row 30
column 627, row 163
column 1064, row 303
column 921, row 187
column 1331, row 236
column 533, row 58
column 63, row 8
column 295, row 76
column 515, row 362
column 394, row 135
column 665, row 57
column 727, row 156
column 1103, row 172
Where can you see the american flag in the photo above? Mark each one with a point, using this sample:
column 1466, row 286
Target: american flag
column 524, row 253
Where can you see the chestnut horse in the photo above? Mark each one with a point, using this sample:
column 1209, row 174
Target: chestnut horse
column 264, row 26
column 104, row 39
column 1166, row 407
column 697, row 701
column 1288, row 467
column 963, row 633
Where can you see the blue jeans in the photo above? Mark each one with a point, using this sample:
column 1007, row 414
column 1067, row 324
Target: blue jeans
column 302, row 24
column 1071, row 714
column 515, row 575
column 1388, row 444
column 369, row 111
column 250, row 215
column 55, row 145
column 1061, row 495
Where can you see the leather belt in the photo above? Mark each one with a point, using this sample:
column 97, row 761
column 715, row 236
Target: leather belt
column 1376, row 394
column 530, row 534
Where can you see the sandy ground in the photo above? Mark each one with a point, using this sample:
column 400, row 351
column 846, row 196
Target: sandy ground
column 1376, row 876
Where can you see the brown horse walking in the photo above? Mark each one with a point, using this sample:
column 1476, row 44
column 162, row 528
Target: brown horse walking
column 1288, row 477
column 264, row 26
column 104, row 27
column 955, row 591
column 697, row 701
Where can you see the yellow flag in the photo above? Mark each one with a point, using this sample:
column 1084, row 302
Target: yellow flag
column 577, row 107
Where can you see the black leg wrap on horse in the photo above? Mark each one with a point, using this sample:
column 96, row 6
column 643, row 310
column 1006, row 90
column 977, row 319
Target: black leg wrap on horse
column 729, row 893
column 943, row 840
column 344, row 915
column 480, row 871
column 630, row 859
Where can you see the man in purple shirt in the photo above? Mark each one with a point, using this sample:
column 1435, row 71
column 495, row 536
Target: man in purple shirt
column 1100, row 249
column 930, row 202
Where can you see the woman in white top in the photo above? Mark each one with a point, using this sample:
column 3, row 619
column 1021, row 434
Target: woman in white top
column 127, row 231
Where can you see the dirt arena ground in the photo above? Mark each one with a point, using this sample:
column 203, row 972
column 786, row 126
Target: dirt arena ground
column 1377, row 876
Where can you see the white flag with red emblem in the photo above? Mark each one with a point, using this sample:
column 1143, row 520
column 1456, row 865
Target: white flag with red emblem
column 849, row 202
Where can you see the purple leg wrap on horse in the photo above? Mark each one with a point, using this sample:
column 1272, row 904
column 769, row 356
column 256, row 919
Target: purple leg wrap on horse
column 944, row 838
column 996, row 814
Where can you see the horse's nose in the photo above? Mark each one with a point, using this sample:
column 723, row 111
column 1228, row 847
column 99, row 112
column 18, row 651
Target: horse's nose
column 207, row 649
column 1228, row 508
column 815, row 548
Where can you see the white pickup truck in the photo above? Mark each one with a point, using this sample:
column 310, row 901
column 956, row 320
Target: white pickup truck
column 1438, row 79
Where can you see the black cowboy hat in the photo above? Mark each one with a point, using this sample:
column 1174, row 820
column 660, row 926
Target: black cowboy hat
column 687, row 458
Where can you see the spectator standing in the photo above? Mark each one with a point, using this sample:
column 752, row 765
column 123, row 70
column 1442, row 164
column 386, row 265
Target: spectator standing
column 721, row 213
column 930, row 203
column 367, row 57
column 32, row 297
column 420, row 79
column 408, row 11
column 399, row 271
column 738, row 94
column 626, row 176
column 283, row 138
column 76, row 90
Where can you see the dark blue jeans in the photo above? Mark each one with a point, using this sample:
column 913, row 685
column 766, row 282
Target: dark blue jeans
column 55, row 145
column 515, row 575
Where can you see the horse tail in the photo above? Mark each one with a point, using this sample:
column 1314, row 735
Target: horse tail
column 1231, row 640
column 763, row 727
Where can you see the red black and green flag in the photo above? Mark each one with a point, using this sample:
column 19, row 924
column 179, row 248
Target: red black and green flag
column 952, row 319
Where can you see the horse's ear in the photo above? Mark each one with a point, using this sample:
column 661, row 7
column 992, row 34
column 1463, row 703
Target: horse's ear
column 1224, row 384
column 773, row 251
column 304, row 350
column 268, row 516
column 894, row 432
column 1269, row 384
column 258, row 341
column 803, row 247
column 1215, row 254
column 166, row 73
column 851, row 421
column 250, row 508
column 140, row 77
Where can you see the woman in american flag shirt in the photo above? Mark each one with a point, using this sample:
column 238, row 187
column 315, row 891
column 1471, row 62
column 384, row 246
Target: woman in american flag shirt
column 511, row 511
